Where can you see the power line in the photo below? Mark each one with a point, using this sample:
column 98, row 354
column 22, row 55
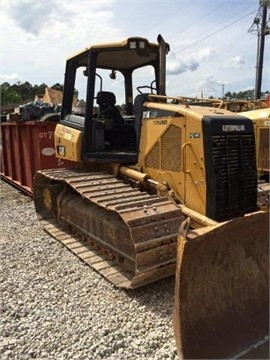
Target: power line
column 197, row 20
column 214, row 33
column 167, row 17
column 224, row 21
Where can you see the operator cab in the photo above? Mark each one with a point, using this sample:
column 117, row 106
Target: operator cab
column 107, row 129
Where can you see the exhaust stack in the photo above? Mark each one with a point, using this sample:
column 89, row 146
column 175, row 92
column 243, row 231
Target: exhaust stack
column 164, row 48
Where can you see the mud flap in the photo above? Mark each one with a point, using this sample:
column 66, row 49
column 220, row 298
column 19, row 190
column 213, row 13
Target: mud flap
column 222, row 288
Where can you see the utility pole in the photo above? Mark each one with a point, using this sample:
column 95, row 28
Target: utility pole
column 222, row 93
column 261, row 28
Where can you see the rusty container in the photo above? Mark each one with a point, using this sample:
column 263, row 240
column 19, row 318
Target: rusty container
column 25, row 148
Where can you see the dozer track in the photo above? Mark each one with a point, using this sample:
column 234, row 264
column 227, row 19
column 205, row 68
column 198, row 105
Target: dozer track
column 128, row 236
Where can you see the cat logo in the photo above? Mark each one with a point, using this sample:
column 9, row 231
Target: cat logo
column 229, row 128
column 194, row 135
column 61, row 150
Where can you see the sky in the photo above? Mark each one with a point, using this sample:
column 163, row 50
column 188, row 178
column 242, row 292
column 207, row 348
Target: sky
column 212, row 50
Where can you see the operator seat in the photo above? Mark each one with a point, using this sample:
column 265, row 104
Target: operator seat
column 107, row 108
column 118, row 135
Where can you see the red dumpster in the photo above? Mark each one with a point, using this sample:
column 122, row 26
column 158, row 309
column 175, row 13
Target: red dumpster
column 28, row 147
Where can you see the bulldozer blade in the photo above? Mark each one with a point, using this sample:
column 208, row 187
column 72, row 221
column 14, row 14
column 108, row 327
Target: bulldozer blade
column 221, row 307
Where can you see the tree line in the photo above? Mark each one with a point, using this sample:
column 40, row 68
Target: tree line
column 247, row 95
column 22, row 93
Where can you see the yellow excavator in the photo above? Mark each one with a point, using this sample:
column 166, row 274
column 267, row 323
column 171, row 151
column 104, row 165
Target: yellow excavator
column 157, row 188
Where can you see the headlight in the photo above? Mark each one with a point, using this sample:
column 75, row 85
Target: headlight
column 142, row 45
column 132, row 45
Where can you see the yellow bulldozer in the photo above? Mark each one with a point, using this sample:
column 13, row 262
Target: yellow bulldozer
column 157, row 188
column 261, row 121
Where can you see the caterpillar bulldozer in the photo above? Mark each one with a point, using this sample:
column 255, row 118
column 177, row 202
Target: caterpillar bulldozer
column 261, row 121
column 162, row 188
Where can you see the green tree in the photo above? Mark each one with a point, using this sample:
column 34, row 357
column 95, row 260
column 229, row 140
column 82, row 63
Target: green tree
column 246, row 94
column 58, row 86
column 39, row 89
column 8, row 95
column 26, row 91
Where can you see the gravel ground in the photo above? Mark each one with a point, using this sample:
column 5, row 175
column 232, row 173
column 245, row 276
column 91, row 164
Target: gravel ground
column 55, row 307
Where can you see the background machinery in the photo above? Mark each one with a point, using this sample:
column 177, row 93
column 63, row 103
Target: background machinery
column 261, row 121
column 141, row 176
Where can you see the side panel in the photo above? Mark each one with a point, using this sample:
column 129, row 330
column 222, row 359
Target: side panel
column 68, row 143
column 171, row 151
column 160, row 153
column 194, row 165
